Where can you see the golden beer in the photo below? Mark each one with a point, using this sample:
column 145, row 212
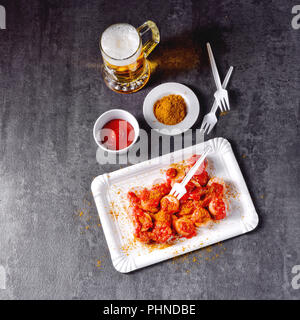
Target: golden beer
column 125, row 68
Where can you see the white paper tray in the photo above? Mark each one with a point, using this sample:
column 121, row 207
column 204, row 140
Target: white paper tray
column 110, row 190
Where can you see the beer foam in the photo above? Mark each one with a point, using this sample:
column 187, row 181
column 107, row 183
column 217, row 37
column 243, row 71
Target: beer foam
column 120, row 41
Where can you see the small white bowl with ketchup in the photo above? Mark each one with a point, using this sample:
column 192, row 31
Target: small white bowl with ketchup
column 116, row 131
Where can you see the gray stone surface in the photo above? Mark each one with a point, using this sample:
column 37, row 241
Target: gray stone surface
column 51, row 92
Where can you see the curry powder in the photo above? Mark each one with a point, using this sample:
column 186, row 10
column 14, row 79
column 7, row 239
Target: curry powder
column 170, row 109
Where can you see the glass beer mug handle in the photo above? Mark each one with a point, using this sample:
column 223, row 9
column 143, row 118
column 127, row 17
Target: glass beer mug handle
column 152, row 43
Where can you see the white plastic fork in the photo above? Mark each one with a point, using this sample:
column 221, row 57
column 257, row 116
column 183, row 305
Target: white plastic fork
column 221, row 95
column 179, row 189
column 210, row 119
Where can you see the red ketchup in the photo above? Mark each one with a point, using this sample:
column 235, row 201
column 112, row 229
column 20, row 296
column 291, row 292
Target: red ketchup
column 117, row 134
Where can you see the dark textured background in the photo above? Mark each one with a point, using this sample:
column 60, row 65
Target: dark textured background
column 51, row 92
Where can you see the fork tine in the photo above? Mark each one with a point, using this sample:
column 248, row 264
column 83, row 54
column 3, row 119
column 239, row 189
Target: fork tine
column 207, row 128
column 203, row 125
column 225, row 105
column 210, row 128
column 221, row 106
column 227, row 102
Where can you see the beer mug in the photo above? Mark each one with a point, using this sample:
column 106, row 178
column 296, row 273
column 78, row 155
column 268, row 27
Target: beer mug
column 125, row 68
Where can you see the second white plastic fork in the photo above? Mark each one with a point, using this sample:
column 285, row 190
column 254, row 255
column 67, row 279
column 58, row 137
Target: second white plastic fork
column 221, row 95
column 179, row 189
column 210, row 119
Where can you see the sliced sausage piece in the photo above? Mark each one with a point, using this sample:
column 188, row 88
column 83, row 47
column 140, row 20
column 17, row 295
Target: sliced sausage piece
column 200, row 216
column 187, row 208
column 169, row 204
column 161, row 232
column 184, row 227
column 217, row 208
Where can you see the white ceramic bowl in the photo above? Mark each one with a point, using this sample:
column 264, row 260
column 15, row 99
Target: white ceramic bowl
column 166, row 89
column 111, row 115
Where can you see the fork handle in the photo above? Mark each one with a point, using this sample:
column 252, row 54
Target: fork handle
column 224, row 85
column 195, row 167
column 214, row 67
